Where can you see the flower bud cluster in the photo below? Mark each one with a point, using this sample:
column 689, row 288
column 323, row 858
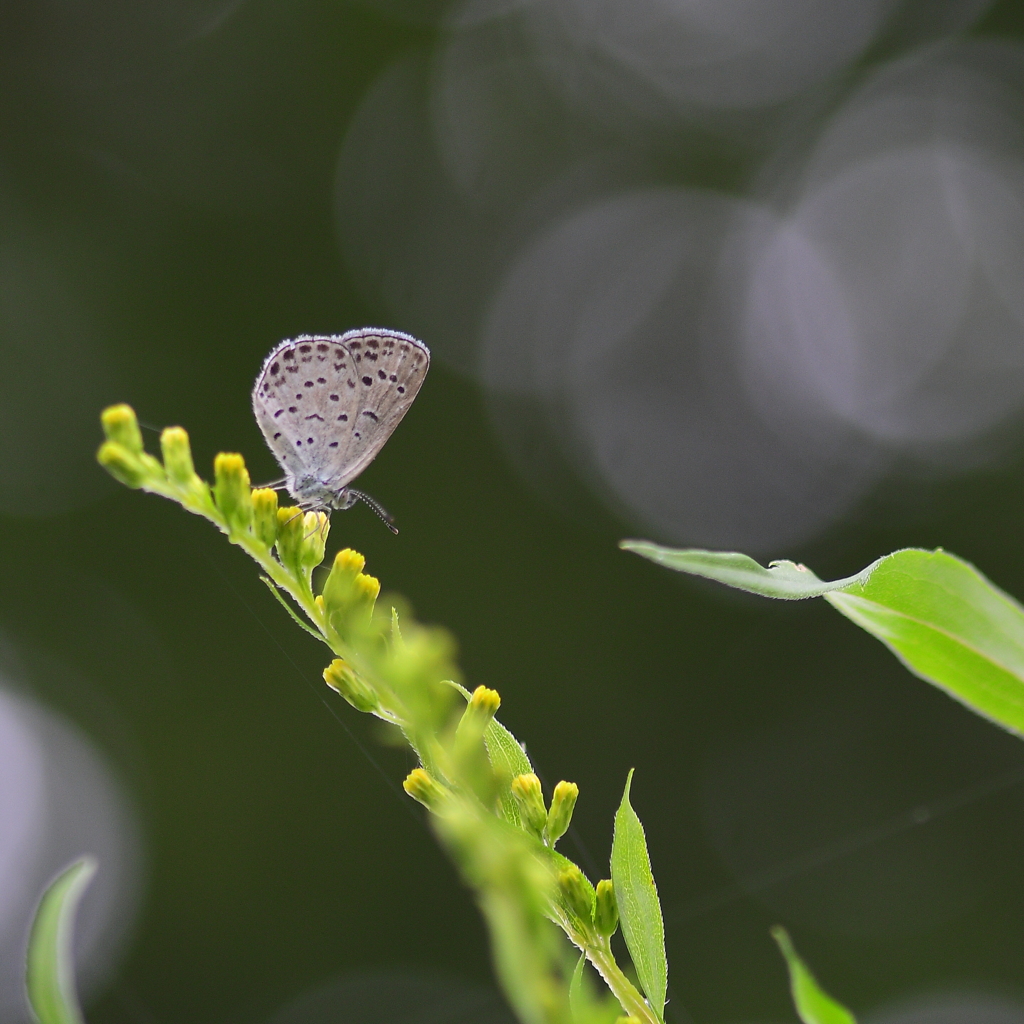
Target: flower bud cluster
column 122, row 454
column 414, row 667
column 405, row 676
column 245, row 514
column 594, row 911
column 348, row 596
column 301, row 540
column 548, row 824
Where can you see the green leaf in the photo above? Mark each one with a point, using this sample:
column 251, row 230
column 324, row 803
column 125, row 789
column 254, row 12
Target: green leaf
column 272, row 586
column 584, row 1004
column 639, row 908
column 949, row 625
column 508, row 759
column 50, row 978
column 504, row 751
column 787, row 581
column 813, row 1004
column 577, row 996
column 937, row 613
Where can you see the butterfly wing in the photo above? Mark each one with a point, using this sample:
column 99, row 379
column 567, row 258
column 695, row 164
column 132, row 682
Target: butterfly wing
column 283, row 410
column 390, row 369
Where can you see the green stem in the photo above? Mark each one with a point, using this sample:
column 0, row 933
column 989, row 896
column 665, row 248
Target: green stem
column 622, row 988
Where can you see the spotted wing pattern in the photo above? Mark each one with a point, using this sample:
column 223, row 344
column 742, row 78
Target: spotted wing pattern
column 327, row 404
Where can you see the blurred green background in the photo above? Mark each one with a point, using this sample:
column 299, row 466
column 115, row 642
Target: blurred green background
column 176, row 196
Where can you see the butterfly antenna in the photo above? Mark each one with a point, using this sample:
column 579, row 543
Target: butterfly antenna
column 382, row 512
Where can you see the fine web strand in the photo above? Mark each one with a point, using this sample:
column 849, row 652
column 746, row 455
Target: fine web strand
column 320, row 696
column 846, row 846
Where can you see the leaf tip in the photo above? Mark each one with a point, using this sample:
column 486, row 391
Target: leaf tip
column 89, row 865
column 781, row 937
column 813, row 1004
column 49, row 967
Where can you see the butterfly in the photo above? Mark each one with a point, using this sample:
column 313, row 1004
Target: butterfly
column 328, row 403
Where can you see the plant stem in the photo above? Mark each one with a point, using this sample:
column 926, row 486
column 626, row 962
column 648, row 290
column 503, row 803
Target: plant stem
column 622, row 988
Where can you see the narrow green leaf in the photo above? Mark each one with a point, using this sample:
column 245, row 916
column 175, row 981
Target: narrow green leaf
column 585, row 1005
column 272, row 586
column 784, row 580
column 813, row 1004
column 504, row 751
column 508, row 759
column 949, row 625
column 577, row 996
column 639, row 908
column 49, row 976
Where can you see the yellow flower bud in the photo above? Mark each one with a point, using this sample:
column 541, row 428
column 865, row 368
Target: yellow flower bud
column 177, row 457
column 563, row 800
column 289, row 538
column 479, row 711
column 576, row 894
column 484, row 704
column 315, row 527
column 367, row 589
column 339, row 591
column 468, row 750
column 120, row 425
column 264, row 518
column 340, row 677
column 606, row 908
column 231, row 490
column 349, row 562
column 420, row 786
column 122, row 464
column 528, row 795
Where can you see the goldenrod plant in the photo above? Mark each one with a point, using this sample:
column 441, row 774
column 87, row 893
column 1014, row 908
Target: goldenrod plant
column 484, row 801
